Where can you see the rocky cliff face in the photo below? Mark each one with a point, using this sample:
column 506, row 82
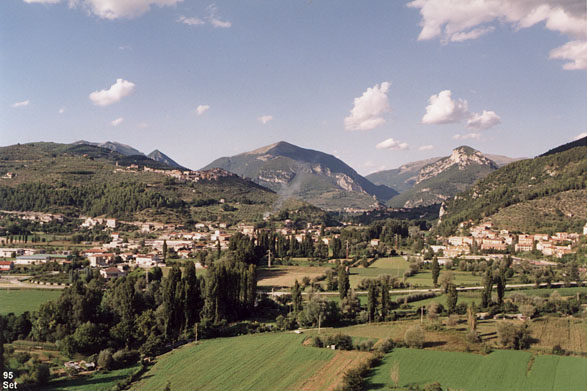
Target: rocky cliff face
column 461, row 157
column 440, row 180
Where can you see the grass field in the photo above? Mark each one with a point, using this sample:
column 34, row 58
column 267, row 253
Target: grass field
column 569, row 333
column 280, row 276
column 501, row 370
column 251, row 362
column 395, row 266
column 101, row 381
column 21, row 300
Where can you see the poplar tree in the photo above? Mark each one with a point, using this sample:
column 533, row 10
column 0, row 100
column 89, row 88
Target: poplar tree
column 435, row 271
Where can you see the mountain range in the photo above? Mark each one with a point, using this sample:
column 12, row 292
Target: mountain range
column 313, row 176
column 547, row 193
column 127, row 150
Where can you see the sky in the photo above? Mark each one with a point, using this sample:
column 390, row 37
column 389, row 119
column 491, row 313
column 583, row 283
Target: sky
column 375, row 83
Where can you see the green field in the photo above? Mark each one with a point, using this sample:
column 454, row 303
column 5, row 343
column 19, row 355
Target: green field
column 251, row 362
column 21, row 300
column 101, row 381
column 395, row 266
column 501, row 370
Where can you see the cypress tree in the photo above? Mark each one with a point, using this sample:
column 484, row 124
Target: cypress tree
column 435, row 271
column 452, row 298
column 487, row 286
column 343, row 282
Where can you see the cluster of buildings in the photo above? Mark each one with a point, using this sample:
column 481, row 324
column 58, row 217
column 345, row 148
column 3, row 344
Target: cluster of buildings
column 182, row 175
column 486, row 238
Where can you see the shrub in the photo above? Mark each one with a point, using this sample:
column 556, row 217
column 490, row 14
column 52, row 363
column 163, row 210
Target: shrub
column 414, row 337
column 364, row 346
column 40, row 374
column 433, row 387
column 125, row 358
column 557, row 349
column 22, row 357
column 317, row 342
column 341, row 341
column 386, row 346
column 452, row 320
column 105, row 359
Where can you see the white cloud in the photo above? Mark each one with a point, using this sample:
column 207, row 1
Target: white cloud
column 191, row 21
column 201, row 109
column 114, row 94
column 426, row 147
column 61, row 110
column 21, row 104
column 580, row 136
column 473, row 34
column 368, row 109
column 214, row 19
column 265, row 118
column 575, row 52
column 467, row 136
column 116, row 9
column 143, row 125
column 459, row 20
column 391, row 144
column 444, row 110
column 42, row 1
column 117, row 121
column 483, row 121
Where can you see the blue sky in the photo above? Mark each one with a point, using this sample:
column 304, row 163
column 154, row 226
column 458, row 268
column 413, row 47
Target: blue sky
column 376, row 83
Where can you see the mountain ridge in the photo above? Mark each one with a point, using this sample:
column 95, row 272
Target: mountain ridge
column 314, row 176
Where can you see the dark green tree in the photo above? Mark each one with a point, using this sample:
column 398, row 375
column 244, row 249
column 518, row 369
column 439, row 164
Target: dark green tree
column 191, row 296
column 343, row 282
column 487, row 287
column 296, row 297
column 435, row 271
column 164, row 250
column 452, row 298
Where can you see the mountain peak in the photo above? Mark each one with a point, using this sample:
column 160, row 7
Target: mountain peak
column 159, row 156
column 464, row 156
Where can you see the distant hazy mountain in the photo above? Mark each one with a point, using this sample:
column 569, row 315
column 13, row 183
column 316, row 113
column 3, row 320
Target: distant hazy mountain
column 114, row 146
column 313, row 176
column 502, row 160
column 402, row 178
column 444, row 178
column 159, row 156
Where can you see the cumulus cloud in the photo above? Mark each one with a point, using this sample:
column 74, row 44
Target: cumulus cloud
column 114, row 94
column 201, row 109
column 211, row 18
column 265, row 118
column 117, row 121
column 444, row 110
column 368, row 109
column 580, row 136
column 473, row 34
column 575, row 52
column 61, row 110
column 467, row 136
column 483, row 121
column 21, row 104
column 460, row 20
column 191, row 21
column 391, row 144
column 117, row 9
column 214, row 19
column 426, row 147
column 42, row 1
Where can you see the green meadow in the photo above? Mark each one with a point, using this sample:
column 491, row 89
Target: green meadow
column 505, row 370
column 18, row 301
